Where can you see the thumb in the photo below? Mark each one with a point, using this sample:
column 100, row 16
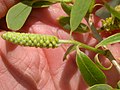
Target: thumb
column 5, row 5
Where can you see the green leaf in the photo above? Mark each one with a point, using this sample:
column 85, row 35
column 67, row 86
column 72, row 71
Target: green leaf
column 64, row 0
column 110, row 40
column 65, row 23
column 103, row 12
column 113, row 11
column 82, row 28
column 92, row 6
column 17, row 15
column 118, row 85
column 90, row 72
column 78, row 11
column 69, row 50
column 55, row 1
column 100, row 87
column 97, row 62
column 67, row 8
column 41, row 4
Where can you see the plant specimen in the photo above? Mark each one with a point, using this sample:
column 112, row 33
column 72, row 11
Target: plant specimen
column 76, row 10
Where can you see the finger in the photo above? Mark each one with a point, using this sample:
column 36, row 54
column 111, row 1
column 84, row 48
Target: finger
column 5, row 5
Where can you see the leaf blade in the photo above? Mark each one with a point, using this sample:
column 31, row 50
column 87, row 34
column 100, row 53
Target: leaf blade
column 113, row 11
column 97, row 62
column 17, row 15
column 65, row 23
column 78, row 11
column 41, row 4
column 110, row 40
column 90, row 72
column 67, row 8
column 118, row 84
column 103, row 12
column 69, row 50
column 100, row 87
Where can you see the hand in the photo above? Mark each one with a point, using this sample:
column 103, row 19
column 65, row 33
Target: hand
column 28, row 68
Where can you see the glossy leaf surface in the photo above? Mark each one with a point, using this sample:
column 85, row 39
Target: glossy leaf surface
column 110, row 40
column 90, row 72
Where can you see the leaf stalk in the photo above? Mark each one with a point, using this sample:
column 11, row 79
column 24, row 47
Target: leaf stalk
column 83, row 46
column 106, row 53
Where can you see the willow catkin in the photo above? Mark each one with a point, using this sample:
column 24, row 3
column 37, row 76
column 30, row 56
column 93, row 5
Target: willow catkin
column 32, row 40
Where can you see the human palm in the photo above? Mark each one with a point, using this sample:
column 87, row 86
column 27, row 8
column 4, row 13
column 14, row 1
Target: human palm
column 29, row 68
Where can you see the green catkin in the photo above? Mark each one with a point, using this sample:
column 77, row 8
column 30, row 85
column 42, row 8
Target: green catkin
column 32, row 40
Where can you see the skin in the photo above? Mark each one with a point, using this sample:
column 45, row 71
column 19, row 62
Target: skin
column 26, row 68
